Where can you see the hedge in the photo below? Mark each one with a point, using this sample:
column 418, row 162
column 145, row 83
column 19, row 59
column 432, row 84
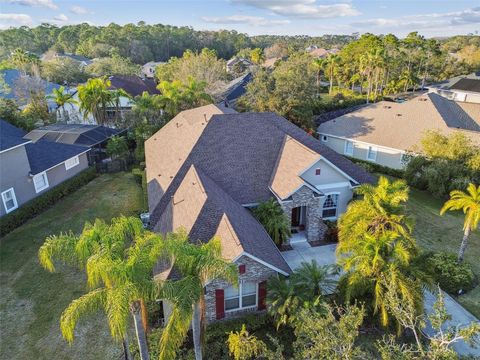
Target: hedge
column 41, row 203
column 376, row 168
column 141, row 178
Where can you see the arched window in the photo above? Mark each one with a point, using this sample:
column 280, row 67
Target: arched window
column 330, row 206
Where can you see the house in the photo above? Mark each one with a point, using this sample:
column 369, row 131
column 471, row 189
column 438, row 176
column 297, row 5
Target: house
column 81, row 60
column 385, row 131
column 234, row 90
column 29, row 169
column 465, row 88
column 133, row 85
column 93, row 137
column 320, row 53
column 242, row 63
column 209, row 166
column 19, row 86
column 148, row 70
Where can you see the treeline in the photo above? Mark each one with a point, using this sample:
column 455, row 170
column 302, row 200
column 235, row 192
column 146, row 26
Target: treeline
column 142, row 43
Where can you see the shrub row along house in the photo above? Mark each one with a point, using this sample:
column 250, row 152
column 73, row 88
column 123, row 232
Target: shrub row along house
column 28, row 169
column 208, row 166
column 385, row 131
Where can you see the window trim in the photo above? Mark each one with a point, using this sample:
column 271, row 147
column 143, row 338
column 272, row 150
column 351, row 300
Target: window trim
column 336, row 207
column 372, row 148
column 14, row 198
column 345, row 152
column 76, row 160
column 47, row 185
column 240, row 298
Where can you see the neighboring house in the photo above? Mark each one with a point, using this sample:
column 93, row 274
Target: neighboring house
column 81, row 60
column 29, row 169
column 320, row 53
column 148, row 70
column 236, row 61
column 385, row 131
column 234, row 90
column 209, row 166
column 94, row 137
column 18, row 87
column 465, row 88
column 133, row 85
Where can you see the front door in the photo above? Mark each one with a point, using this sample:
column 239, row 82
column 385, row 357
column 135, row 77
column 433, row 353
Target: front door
column 296, row 216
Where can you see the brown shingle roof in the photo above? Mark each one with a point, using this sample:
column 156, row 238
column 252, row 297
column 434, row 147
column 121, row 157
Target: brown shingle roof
column 293, row 159
column 402, row 125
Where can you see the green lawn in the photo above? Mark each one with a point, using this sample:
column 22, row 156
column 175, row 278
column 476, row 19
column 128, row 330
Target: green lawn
column 31, row 299
column 444, row 233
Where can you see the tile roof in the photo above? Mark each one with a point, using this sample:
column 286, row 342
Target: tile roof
column 233, row 156
column 402, row 125
column 75, row 134
column 43, row 155
column 10, row 136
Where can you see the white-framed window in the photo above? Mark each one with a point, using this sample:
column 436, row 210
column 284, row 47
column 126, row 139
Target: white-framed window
column 40, row 181
column 243, row 297
column 9, row 200
column 324, row 138
column 372, row 153
column 330, row 206
column 348, row 148
column 72, row 162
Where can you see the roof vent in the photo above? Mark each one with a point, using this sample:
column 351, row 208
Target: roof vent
column 205, row 117
column 399, row 114
column 387, row 107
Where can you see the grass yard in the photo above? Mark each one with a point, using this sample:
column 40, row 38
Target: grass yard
column 444, row 233
column 31, row 299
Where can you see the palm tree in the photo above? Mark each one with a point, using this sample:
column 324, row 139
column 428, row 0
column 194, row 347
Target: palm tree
column 62, row 98
column 283, row 302
column 331, row 65
column 273, row 219
column 24, row 60
column 375, row 242
column 318, row 66
column 118, row 260
column 197, row 264
column 314, row 279
column 171, row 96
column 115, row 97
column 469, row 202
column 95, row 97
column 194, row 93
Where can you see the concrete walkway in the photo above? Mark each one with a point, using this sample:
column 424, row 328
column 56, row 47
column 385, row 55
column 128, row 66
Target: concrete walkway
column 325, row 255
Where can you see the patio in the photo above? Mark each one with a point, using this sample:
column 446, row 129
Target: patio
column 303, row 252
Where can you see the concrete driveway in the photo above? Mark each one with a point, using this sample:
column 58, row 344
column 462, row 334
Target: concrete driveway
column 325, row 255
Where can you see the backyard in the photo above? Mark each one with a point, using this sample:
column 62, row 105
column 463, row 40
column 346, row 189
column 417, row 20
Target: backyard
column 31, row 299
column 444, row 233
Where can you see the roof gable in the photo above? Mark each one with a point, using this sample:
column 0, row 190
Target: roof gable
column 293, row 159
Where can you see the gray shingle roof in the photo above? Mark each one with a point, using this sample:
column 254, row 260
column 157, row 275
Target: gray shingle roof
column 472, row 85
column 453, row 115
column 10, row 136
column 43, row 155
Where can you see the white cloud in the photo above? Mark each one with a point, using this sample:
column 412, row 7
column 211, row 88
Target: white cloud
column 37, row 3
column 307, row 9
column 79, row 10
column 424, row 21
column 7, row 20
column 61, row 18
column 244, row 19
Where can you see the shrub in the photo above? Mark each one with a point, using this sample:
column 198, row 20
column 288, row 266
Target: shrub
column 452, row 276
column 141, row 179
column 372, row 167
column 36, row 206
column 332, row 232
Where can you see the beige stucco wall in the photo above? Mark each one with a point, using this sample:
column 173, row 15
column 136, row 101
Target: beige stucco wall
column 385, row 156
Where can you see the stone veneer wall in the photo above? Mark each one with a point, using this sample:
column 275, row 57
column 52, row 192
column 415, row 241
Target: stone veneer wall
column 315, row 227
column 254, row 271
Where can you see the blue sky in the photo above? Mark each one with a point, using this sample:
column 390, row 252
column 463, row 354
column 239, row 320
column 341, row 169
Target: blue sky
column 289, row 17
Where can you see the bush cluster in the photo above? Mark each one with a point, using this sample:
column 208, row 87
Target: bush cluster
column 448, row 273
column 376, row 168
column 141, row 179
column 35, row 206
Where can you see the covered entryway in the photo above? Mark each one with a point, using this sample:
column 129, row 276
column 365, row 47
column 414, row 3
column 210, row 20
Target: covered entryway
column 298, row 218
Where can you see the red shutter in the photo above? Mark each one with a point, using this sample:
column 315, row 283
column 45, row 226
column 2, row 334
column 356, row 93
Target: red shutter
column 262, row 295
column 220, row 303
column 241, row 269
